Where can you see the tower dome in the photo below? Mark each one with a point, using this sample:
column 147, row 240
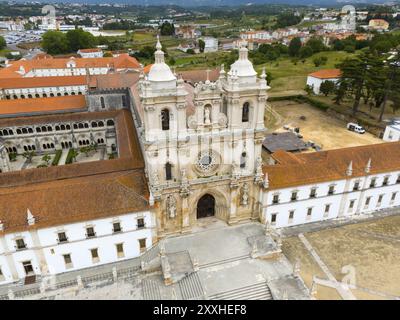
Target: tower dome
column 243, row 66
column 160, row 71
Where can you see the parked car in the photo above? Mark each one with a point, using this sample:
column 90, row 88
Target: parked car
column 355, row 127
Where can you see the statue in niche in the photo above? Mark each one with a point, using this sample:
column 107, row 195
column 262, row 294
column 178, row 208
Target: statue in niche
column 171, row 207
column 207, row 115
column 245, row 194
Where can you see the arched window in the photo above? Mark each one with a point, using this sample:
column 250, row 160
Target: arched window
column 94, row 124
column 103, row 105
column 30, row 130
column 18, row 131
column 29, row 96
column 243, row 160
column 80, row 126
column 165, row 119
column 86, row 125
column 24, row 130
column 110, row 122
column 62, row 127
column 168, row 171
column 38, row 130
column 68, row 127
column 245, row 112
column 100, row 124
column 44, row 95
column 22, row 96
column 37, row 95
column 52, row 94
column 10, row 132
column 57, row 128
column 59, row 94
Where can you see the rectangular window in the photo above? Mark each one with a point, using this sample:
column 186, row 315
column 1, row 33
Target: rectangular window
column 352, row 202
column 331, row 190
column 291, row 216
column 393, row 196
column 367, row 201
column 62, row 237
column 309, row 213
column 327, row 208
column 90, row 232
column 373, row 182
column 140, row 223
column 398, row 179
column 20, row 244
column 385, row 181
column 117, row 227
column 273, row 218
column 313, row 193
column 380, row 199
column 95, row 255
column 275, row 199
column 120, row 250
column 142, row 244
column 356, row 186
column 67, row 261
column 1, row 275
column 294, row 196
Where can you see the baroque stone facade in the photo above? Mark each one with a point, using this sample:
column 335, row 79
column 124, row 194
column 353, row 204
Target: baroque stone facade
column 202, row 143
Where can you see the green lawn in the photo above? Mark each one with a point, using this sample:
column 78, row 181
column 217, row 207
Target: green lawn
column 288, row 76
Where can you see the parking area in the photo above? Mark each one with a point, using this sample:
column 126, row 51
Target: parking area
column 369, row 249
column 317, row 126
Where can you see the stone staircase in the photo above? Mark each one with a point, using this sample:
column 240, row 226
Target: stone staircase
column 258, row 291
column 219, row 262
column 151, row 254
column 150, row 290
column 191, row 287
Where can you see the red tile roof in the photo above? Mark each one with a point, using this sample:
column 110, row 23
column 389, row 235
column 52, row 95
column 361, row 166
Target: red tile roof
column 316, row 167
column 326, row 74
column 41, row 105
column 36, row 82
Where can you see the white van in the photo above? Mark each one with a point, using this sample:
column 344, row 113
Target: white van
column 355, row 127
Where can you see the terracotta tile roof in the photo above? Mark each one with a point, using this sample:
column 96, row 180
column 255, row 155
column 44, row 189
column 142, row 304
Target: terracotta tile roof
column 123, row 61
column 42, row 105
column 36, row 82
column 192, row 76
column 326, row 74
column 60, row 202
column 54, row 194
column 90, row 50
column 316, row 167
column 114, row 80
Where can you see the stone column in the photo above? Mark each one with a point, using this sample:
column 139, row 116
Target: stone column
column 185, row 215
column 232, row 218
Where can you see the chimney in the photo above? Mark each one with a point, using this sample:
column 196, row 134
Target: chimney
column 30, row 217
column 349, row 171
column 368, row 166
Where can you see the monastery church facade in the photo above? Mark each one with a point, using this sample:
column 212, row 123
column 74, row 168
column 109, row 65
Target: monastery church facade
column 202, row 144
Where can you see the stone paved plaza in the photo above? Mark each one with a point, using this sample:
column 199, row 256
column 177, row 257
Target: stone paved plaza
column 225, row 270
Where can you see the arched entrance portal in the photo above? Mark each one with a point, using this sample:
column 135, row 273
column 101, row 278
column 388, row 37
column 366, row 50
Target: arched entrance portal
column 206, row 206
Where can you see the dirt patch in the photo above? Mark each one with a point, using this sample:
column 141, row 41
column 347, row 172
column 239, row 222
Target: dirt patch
column 371, row 248
column 318, row 126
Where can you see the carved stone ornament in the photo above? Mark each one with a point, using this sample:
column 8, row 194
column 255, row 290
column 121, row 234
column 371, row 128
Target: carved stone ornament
column 171, row 207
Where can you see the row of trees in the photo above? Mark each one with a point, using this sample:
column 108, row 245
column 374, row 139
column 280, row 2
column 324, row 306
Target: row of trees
column 57, row 42
column 3, row 43
column 370, row 77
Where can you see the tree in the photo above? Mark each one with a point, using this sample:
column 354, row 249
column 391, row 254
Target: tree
column 294, row 46
column 3, row 43
column 309, row 89
column 391, row 87
column 167, row 29
column 287, row 19
column 202, row 45
column 190, row 51
column 327, row 87
column 305, row 52
column 79, row 39
column 46, row 158
column 316, row 45
column 319, row 61
column 28, row 155
column 55, row 42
